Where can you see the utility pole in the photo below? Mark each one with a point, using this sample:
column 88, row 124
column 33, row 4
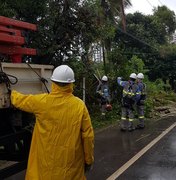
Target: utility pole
column 123, row 15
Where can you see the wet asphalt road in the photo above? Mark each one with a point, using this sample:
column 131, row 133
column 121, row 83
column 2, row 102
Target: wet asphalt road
column 114, row 148
column 159, row 163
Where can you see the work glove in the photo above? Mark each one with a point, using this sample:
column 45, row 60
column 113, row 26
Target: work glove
column 100, row 93
column 88, row 167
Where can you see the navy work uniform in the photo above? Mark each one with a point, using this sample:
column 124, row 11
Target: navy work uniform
column 103, row 91
column 140, row 104
column 130, row 93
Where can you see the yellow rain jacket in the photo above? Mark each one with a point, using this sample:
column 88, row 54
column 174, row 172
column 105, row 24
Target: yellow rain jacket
column 63, row 138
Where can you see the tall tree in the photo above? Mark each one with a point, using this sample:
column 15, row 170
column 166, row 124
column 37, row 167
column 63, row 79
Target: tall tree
column 63, row 26
column 166, row 17
column 112, row 11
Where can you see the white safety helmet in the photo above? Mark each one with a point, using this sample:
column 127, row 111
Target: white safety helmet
column 104, row 78
column 140, row 76
column 133, row 75
column 63, row 74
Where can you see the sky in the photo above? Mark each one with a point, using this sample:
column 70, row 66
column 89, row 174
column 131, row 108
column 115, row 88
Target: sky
column 146, row 6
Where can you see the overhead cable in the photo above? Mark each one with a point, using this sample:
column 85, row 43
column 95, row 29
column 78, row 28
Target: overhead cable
column 135, row 38
column 150, row 3
column 160, row 2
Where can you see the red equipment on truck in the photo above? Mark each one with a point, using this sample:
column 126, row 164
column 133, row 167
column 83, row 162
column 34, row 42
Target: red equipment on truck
column 13, row 40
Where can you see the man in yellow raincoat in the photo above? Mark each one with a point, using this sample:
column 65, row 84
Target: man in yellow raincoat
column 63, row 139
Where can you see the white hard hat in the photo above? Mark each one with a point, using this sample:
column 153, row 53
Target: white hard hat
column 104, row 78
column 63, row 74
column 133, row 75
column 140, row 76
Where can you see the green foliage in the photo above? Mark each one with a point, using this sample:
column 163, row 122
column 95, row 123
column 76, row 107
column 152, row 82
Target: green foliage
column 106, row 31
column 158, row 94
column 26, row 10
column 149, row 106
column 111, row 117
column 146, row 28
column 167, row 50
column 170, row 97
column 164, row 66
column 116, row 61
column 166, row 18
column 6, row 10
column 155, row 87
column 136, row 65
column 65, row 28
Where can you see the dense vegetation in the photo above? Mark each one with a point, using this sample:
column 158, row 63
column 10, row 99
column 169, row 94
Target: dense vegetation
column 68, row 30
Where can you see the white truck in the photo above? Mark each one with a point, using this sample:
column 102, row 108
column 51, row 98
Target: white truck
column 15, row 125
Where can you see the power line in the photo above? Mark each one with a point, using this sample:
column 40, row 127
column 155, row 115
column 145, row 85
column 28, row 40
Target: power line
column 150, row 3
column 160, row 2
column 137, row 39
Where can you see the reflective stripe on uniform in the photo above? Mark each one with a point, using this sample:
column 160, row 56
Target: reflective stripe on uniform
column 141, row 117
column 123, row 118
column 138, row 93
column 125, row 92
column 131, row 120
column 130, row 93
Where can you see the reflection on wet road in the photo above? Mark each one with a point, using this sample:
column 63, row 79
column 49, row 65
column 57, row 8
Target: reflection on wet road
column 159, row 163
column 114, row 148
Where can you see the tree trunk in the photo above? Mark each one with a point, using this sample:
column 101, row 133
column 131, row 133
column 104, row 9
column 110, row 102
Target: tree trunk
column 123, row 15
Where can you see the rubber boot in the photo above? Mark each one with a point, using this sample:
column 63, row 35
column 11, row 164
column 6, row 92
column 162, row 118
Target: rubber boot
column 141, row 124
column 123, row 125
column 131, row 126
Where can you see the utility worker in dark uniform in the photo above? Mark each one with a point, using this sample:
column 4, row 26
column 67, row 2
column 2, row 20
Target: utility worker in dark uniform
column 141, row 100
column 104, row 92
column 130, row 94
